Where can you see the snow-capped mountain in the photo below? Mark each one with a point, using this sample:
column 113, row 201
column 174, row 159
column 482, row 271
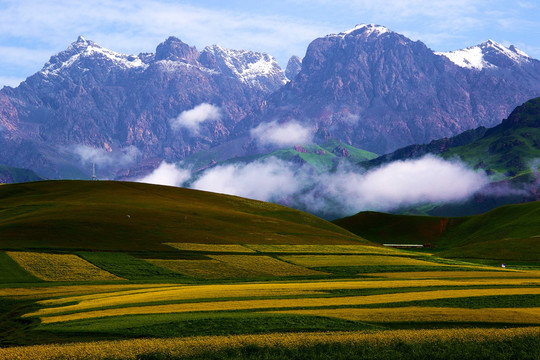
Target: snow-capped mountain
column 489, row 54
column 368, row 86
column 378, row 90
column 91, row 98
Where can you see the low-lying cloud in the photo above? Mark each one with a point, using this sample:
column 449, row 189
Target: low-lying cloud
column 282, row 134
column 192, row 119
column 339, row 193
column 101, row 157
column 166, row 174
column 270, row 180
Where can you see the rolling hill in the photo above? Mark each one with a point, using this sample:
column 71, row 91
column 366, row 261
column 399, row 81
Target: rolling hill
column 510, row 232
column 122, row 216
column 10, row 175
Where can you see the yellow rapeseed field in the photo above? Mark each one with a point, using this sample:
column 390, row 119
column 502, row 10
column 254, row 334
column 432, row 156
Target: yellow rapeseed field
column 428, row 314
column 455, row 274
column 327, row 249
column 205, row 269
column 71, row 290
column 265, row 265
column 177, row 293
column 128, row 296
column 236, row 248
column 59, row 267
column 353, row 260
column 262, row 304
column 130, row 349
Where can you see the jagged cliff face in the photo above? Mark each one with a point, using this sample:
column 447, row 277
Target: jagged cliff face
column 368, row 87
column 378, row 90
column 91, row 96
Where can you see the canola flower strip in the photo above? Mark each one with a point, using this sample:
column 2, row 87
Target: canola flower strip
column 206, row 269
column 271, row 304
column 326, row 249
column 192, row 292
column 231, row 248
column 71, row 290
column 454, row 274
column 427, row 314
column 265, row 265
column 353, row 260
column 177, row 347
column 187, row 292
column 59, row 267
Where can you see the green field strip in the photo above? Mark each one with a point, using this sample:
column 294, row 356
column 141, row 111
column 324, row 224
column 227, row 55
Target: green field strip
column 351, row 271
column 128, row 267
column 12, row 272
column 337, row 293
column 473, row 302
column 183, row 325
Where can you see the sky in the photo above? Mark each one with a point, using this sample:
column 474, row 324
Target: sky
column 31, row 31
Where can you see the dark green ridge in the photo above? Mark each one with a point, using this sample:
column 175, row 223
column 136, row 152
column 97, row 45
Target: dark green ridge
column 10, row 175
column 510, row 232
column 124, row 216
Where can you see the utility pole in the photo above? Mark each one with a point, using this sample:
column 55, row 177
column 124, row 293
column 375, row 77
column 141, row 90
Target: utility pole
column 94, row 177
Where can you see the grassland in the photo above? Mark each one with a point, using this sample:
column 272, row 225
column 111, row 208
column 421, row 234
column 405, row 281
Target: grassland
column 509, row 233
column 265, row 293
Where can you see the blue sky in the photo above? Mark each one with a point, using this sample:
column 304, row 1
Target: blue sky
column 31, row 31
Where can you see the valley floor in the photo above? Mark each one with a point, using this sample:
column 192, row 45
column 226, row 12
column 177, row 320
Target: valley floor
column 266, row 302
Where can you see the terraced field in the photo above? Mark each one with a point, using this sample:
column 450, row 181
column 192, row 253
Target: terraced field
column 248, row 300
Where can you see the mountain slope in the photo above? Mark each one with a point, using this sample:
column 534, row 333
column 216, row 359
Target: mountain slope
column 102, row 215
column 509, row 232
column 507, row 149
column 378, row 90
column 10, row 174
column 89, row 103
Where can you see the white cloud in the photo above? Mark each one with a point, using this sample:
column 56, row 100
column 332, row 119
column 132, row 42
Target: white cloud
column 101, row 157
column 282, row 134
column 166, row 174
column 346, row 192
column 402, row 183
column 270, row 180
column 192, row 119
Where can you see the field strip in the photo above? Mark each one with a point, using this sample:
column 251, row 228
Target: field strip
column 172, row 295
column 455, row 274
column 187, row 292
column 354, row 260
column 231, row 248
column 326, row 249
column 60, row 267
column 266, row 265
column 427, row 314
column 206, row 269
column 232, row 305
column 181, row 347
column 73, row 290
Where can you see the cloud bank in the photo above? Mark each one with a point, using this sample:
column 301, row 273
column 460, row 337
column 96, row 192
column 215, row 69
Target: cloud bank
column 166, row 174
column 270, row 180
column 101, row 157
column 282, row 134
column 192, row 119
column 345, row 192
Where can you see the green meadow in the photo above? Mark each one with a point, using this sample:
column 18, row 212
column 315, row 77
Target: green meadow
column 112, row 270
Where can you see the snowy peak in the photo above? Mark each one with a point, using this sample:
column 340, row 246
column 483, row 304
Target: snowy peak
column 83, row 49
column 489, row 54
column 365, row 30
column 249, row 67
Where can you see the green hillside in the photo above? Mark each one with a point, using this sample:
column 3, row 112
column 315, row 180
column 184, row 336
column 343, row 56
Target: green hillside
column 322, row 157
column 10, row 174
column 504, row 151
column 122, row 216
column 510, row 232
